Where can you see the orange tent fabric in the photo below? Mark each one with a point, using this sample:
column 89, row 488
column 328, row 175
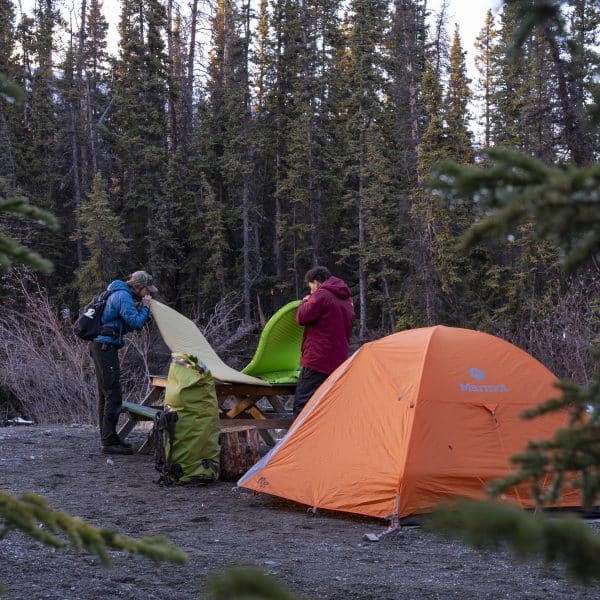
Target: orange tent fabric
column 410, row 420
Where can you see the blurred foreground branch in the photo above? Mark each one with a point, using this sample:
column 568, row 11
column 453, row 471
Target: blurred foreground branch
column 30, row 511
column 488, row 524
column 562, row 202
column 247, row 583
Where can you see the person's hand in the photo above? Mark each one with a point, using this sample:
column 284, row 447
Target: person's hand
column 305, row 298
column 146, row 300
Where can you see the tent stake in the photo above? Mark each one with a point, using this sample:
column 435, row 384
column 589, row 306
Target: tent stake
column 393, row 527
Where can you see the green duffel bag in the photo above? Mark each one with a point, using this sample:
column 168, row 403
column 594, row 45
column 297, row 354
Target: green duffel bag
column 187, row 431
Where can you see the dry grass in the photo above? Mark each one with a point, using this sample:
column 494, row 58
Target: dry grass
column 561, row 337
column 48, row 369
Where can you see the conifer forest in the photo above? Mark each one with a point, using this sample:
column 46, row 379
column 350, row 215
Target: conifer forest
column 228, row 146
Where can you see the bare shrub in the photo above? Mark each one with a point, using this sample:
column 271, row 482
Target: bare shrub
column 234, row 340
column 47, row 368
column 223, row 320
column 140, row 359
column 561, row 335
column 50, row 372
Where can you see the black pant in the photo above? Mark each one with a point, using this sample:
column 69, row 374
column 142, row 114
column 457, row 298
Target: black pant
column 307, row 385
column 110, row 402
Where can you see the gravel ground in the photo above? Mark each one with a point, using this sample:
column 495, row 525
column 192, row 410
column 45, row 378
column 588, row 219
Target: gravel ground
column 321, row 556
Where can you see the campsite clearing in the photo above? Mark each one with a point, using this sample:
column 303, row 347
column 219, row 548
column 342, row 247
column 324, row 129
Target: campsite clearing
column 322, row 556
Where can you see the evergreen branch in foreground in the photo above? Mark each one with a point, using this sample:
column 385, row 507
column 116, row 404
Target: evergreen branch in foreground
column 484, row 524
column 20, row 206
column 247, row 583
column 11, row 92
column 562, row 203
column 572, row 455
column 538, row 13
column 30, row 510
column 11, row 250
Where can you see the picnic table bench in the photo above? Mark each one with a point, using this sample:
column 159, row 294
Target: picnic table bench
column 237, row 407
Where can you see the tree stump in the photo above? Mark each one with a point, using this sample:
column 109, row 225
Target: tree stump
column 240, row 450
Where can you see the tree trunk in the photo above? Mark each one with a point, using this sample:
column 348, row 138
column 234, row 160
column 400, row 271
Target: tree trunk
column 407, row 24
column 189, row 91
column 6, row 144
column 362, row 267
column 76, row 180
column 75, row 112
column 240, row 450
column 248, row 160
column 172, row 80
column 572, row 119
column 246, row 248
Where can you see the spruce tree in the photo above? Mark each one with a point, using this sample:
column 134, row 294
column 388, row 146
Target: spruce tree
column 40, row 127
column 282, row 57
column 485, row 44
column 365, row 124
column 289, row 101
column 431, row 150
column 97, row 102
column 311, row 181
column 105, row 245
column 456, row 274
column 566, row 57
column 8, row 75
column 70, row 86
column 137, row 130
column 42, row 143
column 525, row 116
column 408, row 43
column 230, row 142
column 509, row 82
column 265, row 167
column 444, row 274
column 456, row 112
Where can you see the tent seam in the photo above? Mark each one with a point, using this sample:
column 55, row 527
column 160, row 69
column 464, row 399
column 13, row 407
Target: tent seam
column 412, row 420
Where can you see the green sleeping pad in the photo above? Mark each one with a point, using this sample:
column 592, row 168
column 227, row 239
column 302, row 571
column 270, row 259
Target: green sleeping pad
column 277, row 357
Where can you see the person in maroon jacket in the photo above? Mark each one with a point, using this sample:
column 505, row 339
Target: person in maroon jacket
column 327, row 314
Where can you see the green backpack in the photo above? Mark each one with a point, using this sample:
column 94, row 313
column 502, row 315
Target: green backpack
column 186, row 432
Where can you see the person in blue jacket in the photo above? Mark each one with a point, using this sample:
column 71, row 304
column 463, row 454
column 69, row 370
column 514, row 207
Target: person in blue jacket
column 120, row 316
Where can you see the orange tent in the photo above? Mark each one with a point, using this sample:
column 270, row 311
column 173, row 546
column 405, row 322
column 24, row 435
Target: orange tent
column 410, row 420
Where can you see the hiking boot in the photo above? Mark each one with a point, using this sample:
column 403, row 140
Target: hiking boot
column 117, row 449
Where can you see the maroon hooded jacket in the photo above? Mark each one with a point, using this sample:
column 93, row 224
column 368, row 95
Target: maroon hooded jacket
column 327, row 316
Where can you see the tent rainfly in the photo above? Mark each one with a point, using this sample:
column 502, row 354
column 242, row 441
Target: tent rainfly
column 411, row 420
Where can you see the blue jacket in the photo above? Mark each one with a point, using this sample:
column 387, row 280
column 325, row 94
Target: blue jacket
column 121, row 314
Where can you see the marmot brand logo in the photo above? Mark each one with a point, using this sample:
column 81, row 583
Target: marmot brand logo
column 479, row 375
column 89, row 313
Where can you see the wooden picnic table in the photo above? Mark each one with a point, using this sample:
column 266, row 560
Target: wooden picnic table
column 237, row 406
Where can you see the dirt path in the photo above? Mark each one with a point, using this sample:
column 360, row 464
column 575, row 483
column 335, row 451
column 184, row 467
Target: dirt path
column 322, row 556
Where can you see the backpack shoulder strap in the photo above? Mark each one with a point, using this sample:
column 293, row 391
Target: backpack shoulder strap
column 164, row 425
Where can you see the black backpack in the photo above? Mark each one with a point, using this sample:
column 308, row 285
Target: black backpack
column 88, row 324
